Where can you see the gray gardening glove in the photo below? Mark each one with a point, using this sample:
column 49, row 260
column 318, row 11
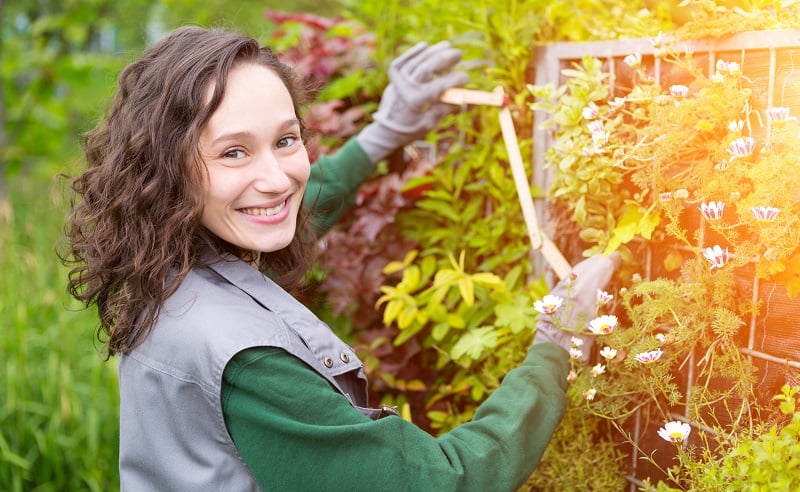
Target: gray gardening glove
column 579, row 292
column 410, row 106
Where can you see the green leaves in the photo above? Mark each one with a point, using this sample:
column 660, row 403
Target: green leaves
column 634, row 222
column 586, row 180
column 412, row 302
column 517, row 314
column 475, row 342
column 766, row 459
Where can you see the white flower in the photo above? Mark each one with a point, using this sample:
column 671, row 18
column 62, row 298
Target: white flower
column 712, row 210
column 575, row 353
column 716, row 256
column 599, row 135
column 732, row 68
column 577, row 342
column 777, row 113
column 767, row 214
column 589, row 394
column 597, row 370
column 549, row 304
column 681, row 194
column 736, row 126
column 599, row 140
column 603, row 297
column 675, row 431
column 596, row 127
column 742, row 147
column 603, row 325
column 572, row 376
column 678, row 90
column 591, row 111
column 608, row 353
column 651, row 356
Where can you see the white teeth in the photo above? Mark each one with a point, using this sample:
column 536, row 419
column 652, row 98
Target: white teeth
column 264, row 211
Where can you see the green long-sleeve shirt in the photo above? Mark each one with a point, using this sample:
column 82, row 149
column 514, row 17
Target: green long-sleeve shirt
column 296, row 433
column 333, row 183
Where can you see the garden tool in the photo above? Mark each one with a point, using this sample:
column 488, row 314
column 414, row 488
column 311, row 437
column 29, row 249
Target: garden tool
column 497, row 98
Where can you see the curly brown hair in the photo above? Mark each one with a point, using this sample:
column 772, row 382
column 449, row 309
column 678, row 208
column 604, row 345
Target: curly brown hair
column 134, row 231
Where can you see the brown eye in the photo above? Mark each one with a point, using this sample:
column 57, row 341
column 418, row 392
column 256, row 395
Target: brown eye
column 287, row 141
column 233, row 154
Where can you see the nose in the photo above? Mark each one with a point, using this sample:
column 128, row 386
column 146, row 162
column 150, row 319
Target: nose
column 270, row 176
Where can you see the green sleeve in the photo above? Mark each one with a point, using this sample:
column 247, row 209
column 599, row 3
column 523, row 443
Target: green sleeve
column 333, row 183
column 296, row 433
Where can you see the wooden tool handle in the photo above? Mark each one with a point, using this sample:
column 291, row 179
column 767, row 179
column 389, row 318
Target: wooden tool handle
column 460, row 96
column 539, row 241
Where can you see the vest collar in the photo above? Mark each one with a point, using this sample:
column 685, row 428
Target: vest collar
column 335, row 355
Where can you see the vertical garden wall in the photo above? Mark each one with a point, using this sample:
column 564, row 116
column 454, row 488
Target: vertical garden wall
column 682, row 156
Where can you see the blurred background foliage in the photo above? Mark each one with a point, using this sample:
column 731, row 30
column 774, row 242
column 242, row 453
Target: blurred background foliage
column 59, row 60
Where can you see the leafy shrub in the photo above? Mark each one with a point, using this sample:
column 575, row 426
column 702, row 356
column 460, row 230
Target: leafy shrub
column 766, row 458
column 648, row 173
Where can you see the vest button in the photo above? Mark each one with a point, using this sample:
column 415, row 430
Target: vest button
column 328, row 362
column 345, row 358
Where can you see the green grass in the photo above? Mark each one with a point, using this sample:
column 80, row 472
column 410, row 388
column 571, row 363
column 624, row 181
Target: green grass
column 58, row 399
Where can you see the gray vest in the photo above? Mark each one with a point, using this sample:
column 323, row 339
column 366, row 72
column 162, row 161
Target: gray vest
column 172, row 432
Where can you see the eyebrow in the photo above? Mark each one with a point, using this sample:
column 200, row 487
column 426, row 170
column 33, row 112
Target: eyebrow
column 238, row 135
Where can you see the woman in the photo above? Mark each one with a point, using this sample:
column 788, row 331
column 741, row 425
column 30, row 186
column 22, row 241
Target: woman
column 190, row 206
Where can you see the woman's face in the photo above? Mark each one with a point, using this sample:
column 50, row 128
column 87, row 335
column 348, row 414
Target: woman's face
column 257, row 164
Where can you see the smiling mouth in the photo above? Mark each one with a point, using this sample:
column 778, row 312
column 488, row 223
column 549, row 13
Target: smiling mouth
column 264, row 211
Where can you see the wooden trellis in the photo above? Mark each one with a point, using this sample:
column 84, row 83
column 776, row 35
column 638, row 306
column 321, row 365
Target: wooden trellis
column 771, row 62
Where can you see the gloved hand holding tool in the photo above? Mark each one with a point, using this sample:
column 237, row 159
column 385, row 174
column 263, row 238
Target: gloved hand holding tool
column 579, row 292
column 410, row 105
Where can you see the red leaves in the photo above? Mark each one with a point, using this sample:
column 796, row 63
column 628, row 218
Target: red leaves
column 315, row 53
column 364, row 241
column 310, row 20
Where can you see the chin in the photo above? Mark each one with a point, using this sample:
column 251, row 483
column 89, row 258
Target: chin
column 273, row 245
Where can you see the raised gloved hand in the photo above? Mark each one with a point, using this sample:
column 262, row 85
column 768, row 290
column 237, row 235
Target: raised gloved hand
column 579, row 292
column 410, row 106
